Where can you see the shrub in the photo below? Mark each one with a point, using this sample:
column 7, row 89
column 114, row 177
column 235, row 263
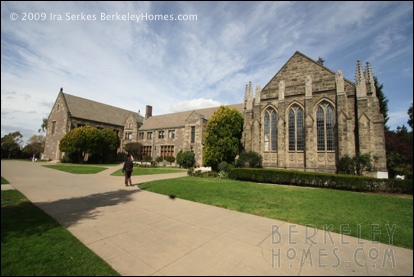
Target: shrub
column 346, row 165
column 180, row 157
column 356, row 165
column 223, row 166
column 190, row 171
column 146, row 158
column 188, row 159
column 249, row 159
column 223, row 175
column 205, row 174
column 170, row 159
column 323, row 180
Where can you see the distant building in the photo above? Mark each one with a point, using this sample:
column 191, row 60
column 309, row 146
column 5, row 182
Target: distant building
column 162, row 135
column 306, row 118
column 70, row 112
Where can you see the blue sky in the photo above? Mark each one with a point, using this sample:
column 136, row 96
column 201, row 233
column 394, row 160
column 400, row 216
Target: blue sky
column 203, row 61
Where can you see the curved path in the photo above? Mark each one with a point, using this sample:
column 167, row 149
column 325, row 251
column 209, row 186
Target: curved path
column 143, row 233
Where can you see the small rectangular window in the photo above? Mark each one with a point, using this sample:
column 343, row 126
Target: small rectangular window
column 53, row 127
column 160, row 134
column 192, row 134
column 171, row 134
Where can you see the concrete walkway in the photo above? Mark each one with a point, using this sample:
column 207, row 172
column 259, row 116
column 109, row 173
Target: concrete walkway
column 142, row 233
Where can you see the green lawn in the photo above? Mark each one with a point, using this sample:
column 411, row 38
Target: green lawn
column 4, row 181
column 150, row 170
column 305, row 206
column 77, row 169
column 34, row 244
column 92, row 169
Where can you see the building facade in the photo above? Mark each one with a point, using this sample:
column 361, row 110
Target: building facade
column 166, row 135
column 70, row 112
column 162, row 135
column 307, row 117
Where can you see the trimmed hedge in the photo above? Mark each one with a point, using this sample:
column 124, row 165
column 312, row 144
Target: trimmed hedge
column 323, row 180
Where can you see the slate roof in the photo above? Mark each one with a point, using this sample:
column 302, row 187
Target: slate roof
column 176, row 120
column 87, row 109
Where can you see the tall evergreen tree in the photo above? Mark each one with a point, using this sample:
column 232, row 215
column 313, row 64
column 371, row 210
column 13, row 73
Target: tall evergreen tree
column 410, row 116
column 383, row 101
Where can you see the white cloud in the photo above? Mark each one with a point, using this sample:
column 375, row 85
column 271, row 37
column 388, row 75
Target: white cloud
column 164, row 64
column 194, row 104
column 398, row 119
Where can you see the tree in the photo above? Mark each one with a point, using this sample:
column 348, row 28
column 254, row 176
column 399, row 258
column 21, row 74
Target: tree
column 109, row 144
column 86, row 139
column 135, row 149
column 399, row 148
column 78, row 141
column 410, row 116
column 35, row 145
column 222, row 137
column 383, row 101
column 89, row 140
column 187, row 159
column 43, row 127
column 11, row 144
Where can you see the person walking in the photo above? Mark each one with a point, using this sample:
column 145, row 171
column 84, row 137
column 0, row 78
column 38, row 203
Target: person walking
column 127, row 169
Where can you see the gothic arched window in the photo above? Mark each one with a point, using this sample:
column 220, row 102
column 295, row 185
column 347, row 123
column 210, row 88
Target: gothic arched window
column 296, row 137
column 325, row 123
column 270, row 130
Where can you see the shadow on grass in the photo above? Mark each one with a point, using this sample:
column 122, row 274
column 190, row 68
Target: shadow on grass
column 68, row 212
column 15, row 225
column 34, row 244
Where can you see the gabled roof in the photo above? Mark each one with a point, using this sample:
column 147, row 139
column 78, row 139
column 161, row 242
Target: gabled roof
column 87, row 109
column 297, row 53
column 176, row 120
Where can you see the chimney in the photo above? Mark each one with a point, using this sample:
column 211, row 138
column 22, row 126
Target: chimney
column 148, row 111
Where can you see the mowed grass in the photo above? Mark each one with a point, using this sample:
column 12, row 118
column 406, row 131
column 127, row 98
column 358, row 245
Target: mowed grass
column 34, row 244
column 26, row 234
column 138, row 171
column 77, row 169
column 387, row 219
column 92, row 169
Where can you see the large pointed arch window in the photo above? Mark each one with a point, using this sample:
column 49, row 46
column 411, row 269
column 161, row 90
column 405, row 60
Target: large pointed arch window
column 325, row 122
column 270, row 130
column 296, row 137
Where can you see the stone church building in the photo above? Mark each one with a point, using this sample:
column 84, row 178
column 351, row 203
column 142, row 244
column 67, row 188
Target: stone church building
column 305, row 118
